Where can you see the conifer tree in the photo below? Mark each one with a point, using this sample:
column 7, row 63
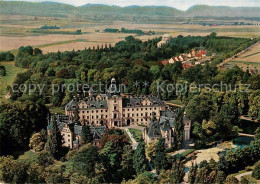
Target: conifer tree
column 87, row 137
column 160, row 161
column 54, row 141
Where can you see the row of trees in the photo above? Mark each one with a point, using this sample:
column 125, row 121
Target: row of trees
column 6, row 56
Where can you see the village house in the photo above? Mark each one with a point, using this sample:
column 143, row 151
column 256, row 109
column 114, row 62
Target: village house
column 72, row 132
column 114, row 110
column 165, row 128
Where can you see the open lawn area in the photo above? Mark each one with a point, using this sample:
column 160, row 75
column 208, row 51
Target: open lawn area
column 137, row 134
column 53, row 109
column 11, row 72
column 207, row 154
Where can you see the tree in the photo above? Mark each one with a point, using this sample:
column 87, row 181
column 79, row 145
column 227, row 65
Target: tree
column 160, row 161
column 244, row 181
column 140, row 160
column 127, row 163
column 36, row 142
column 256, row 171
column 231, row 180
column 192, row 173
column 2, row 70
column 54, row 141
column 19, row 120
column 84, row 162
column 12, row 171
column 87, row 136
column 174, row 175
column 44, row 159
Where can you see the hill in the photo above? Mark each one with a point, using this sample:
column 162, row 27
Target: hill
column 64, row 10
column 222, row 11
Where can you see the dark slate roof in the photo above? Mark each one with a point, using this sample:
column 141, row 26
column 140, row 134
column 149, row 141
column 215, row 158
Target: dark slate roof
column 61, row 121
column 135, row 100
column 168, row 116
column 72, row 105
column 96, row 131
column 153, row 129
column 97, row 104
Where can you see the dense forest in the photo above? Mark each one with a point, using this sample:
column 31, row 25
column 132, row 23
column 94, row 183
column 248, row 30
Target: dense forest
column 214, row 114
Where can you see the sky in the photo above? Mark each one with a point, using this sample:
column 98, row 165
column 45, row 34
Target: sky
column 179, row 4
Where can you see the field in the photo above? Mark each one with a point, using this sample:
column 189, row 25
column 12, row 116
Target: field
column 16, row 31
column 11, row 72
column 249, row 59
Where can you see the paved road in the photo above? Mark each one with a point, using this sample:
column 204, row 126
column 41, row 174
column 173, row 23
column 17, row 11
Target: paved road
column 134, row 143
column 243, row 174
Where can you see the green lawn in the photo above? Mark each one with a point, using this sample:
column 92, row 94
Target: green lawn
column 53, row 110
column 28, row 157
column 187, row 152
column 177, row 102
column 137, row 134
column 11, row 72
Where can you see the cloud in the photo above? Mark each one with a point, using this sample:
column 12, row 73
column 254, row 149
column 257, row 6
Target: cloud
column 179, row 4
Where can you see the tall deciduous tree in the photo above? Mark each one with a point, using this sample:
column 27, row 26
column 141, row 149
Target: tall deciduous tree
column 140, row 160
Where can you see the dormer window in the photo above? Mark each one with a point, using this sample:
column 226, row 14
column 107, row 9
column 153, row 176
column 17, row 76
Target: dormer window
column 128, row 104
column 137, row 104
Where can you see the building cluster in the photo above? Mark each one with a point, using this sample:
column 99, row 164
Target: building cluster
column 165, row 128
column 114, row 110
column 109, row 110
column 71, row 131
column 194, row 57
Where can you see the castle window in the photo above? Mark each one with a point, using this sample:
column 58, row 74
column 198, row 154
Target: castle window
column 132, row 109
column 137, row 109
column 68, row 135
column 150, row 108
column 87, row 117
column 101, row 110
column 96, row 111
column 141, row 114
column 115, row 100
column 87, row 111
column 97, row 116
column 145, row 108
column 114, row 115
column 114, row 107
column 137, row 114
column 69, row 140
column 141, row 109
column 82, row 107
column 82, row 112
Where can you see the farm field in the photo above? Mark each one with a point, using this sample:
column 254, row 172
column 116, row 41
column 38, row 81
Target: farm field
column 16, row 31
column 250, row 59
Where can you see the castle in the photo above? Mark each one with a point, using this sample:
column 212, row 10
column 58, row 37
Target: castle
column 113, row 110
column 109, row 110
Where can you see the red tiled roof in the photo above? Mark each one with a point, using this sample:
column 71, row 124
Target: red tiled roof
column 165, row 62
column 186, row 66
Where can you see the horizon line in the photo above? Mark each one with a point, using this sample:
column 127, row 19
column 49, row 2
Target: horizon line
column 122, row 6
